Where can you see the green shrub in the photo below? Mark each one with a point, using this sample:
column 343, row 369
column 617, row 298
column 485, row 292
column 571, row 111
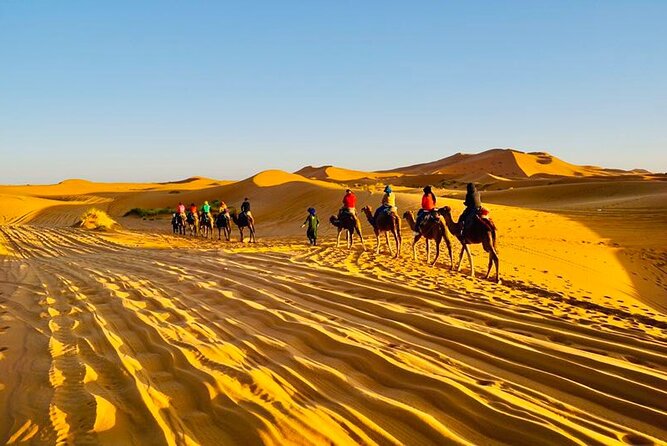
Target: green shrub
column 143, row 213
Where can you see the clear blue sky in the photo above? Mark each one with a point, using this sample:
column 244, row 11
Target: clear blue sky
column 162, row 90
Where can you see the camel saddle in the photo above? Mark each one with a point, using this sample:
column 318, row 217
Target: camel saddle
column 483, row 217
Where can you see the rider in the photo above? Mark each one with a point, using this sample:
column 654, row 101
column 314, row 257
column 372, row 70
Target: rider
column 223, row 208
column 388, row 202
column 206, row 210
column 193, row 209
column 473, row 204
column 349, row 203
column 180, row 209
column 245, row 208
column 428, row 205
column 312, row 222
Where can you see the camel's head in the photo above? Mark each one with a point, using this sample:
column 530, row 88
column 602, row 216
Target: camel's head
column 406, row 214
column 366, row 209
column 333, row 220
column 445, row 210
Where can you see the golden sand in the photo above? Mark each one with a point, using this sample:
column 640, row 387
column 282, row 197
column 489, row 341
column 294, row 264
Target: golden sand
column 140, row 337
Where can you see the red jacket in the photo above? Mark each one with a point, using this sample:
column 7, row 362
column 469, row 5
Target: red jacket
column 428, row 203
column 350, row 200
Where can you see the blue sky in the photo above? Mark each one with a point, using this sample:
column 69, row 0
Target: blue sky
column 165, row 90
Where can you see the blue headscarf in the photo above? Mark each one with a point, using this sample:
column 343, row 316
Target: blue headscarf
column 311, row 211
column 387, row 189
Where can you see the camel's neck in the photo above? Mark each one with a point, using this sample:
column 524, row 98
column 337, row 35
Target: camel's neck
column 370, row 218
column 411, row 221
column 453, row 227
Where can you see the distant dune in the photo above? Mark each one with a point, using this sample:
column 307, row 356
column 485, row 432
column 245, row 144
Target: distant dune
column 508, row 163
column 339, row 174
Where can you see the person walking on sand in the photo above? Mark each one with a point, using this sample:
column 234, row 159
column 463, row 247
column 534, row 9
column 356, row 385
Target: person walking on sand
column 311, row 222
column 473, row 204
column 428, row 205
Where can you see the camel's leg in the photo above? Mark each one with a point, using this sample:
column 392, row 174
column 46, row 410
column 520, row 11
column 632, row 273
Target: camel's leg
column 428, row 251
column 488, row 270
column 399, row 242
column 437, row 251
column 377, row 242
column 338, row 237
column 472, row 264
column 241, row 232
column 414, row 246
column 350, row 239
column 449, row 249
column 361, row 237
column 493, row 259
column 386, row 238
column 458, row 268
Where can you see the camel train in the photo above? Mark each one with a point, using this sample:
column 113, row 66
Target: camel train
column 430, row 223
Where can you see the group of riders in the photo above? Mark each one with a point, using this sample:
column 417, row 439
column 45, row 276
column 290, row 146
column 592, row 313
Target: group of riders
column 428, row 208
column 201, row 219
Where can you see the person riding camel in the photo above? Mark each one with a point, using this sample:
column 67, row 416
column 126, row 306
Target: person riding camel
column 245, row 208
column 428, row 205
column 349, row 203
column 206, row 210
column 180, row 210
column 193, row 208
column 223, row 207
column 388, row 202
column 312, row 222
column 473, row 204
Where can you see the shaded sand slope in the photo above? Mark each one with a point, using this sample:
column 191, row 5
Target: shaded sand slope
column 628, row 217
column 281, row 344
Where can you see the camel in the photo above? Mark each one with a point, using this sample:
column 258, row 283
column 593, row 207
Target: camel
column 350, row 223
column 386, row 222
column 178, row 224
column 223, row 223
column 242, row 221
column 432, row 229
column 193, row 223
column 477, row 232
column 206, row 225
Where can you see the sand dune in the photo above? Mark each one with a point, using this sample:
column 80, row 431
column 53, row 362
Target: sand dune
column 509, row 163
column 138, row 337
column 199, row 346
column 339, row 174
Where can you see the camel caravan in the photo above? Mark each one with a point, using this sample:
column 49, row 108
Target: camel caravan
column 200, row 222
column 474, row 226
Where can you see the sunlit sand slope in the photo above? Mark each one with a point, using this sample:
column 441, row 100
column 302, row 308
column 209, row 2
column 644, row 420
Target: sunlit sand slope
column 126, row 338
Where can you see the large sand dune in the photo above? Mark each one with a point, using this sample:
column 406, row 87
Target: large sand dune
column 140, row 337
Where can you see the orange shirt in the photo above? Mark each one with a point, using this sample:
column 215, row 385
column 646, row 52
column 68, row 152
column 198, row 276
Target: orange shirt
column 428, row 203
